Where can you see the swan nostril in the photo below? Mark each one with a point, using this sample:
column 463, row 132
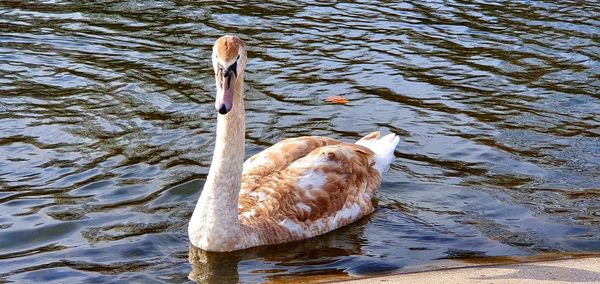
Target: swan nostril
column 223, row 109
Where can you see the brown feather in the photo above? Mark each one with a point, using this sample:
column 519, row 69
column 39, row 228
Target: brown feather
column 227, row 47
column 282, row 201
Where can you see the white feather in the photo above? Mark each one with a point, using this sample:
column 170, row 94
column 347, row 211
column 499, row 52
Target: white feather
column 384, row 150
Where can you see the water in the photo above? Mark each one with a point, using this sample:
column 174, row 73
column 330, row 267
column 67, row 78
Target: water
column 107, row 126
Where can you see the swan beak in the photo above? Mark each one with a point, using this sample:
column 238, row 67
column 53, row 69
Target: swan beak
column 224, row 101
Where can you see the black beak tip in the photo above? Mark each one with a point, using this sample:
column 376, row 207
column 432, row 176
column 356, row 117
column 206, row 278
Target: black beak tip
column 223, row 109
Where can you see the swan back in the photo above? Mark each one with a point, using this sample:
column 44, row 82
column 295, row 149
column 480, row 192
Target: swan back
column 306, row 186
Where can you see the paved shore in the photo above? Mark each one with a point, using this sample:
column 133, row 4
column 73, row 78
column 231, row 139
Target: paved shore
column 576, row 270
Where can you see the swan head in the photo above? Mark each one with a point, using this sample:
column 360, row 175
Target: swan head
column 229, row 61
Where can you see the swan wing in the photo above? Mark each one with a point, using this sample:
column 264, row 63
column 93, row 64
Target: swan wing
column 282, row 154
column 307, row 186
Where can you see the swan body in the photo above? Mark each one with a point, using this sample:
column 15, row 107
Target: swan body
column 296, row 189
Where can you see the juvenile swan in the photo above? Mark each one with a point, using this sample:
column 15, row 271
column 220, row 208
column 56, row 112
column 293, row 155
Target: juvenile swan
column 297, row 189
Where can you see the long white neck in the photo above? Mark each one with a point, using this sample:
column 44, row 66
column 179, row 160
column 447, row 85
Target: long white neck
column 214, row 224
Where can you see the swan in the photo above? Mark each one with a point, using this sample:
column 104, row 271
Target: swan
column 296, row 189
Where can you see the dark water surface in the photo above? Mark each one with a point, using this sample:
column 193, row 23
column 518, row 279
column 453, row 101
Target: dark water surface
column 107, row 126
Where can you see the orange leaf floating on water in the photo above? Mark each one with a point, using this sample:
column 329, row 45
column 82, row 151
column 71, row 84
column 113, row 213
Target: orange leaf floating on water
column 337, row 100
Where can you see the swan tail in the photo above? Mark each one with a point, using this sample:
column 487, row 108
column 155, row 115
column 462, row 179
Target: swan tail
column 383, row 147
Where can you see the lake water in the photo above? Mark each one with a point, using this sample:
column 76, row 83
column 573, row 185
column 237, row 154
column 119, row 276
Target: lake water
column 107, row 129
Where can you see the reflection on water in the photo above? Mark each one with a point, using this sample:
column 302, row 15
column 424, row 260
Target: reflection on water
column 320, row 256
column 107, row 127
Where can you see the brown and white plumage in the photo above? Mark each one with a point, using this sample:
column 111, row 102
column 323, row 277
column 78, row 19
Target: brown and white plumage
column 296, row 189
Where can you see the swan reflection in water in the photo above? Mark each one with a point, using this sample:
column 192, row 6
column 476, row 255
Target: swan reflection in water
column 316, row 257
